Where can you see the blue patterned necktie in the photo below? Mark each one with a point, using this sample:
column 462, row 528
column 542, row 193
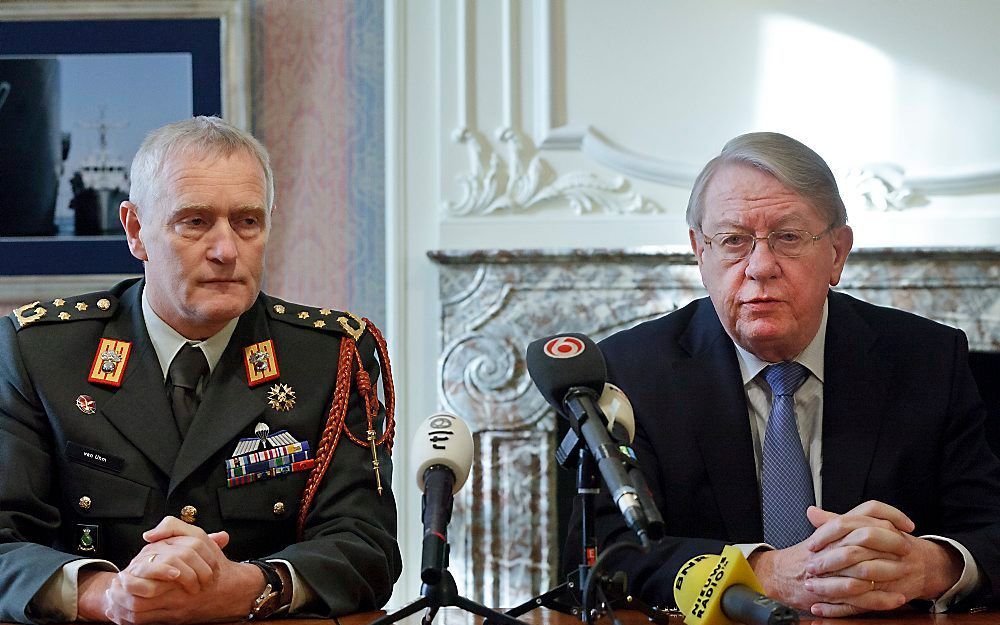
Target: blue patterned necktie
column 785, row 479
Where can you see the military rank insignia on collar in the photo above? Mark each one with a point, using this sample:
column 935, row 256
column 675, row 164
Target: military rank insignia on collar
column 109, row 362
column 266, row 456
column 261, row 362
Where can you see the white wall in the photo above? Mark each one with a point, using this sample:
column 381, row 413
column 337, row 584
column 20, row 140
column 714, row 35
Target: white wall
column 552, row 124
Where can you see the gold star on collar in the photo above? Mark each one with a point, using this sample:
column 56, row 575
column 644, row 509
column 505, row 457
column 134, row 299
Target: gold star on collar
column 303, row 315
column 81, row 306
column 281, row 397
column 319, row 324
column 325, row 311
column 64, row 316
column 58, row 302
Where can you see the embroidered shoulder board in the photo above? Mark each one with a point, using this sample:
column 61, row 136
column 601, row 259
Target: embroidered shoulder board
column 322, row 319
column 100, row 305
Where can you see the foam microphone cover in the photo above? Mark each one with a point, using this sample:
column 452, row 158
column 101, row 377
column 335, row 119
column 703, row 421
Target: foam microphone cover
column 563, row 361
column 618, row 409
column 701, row 583
column 442, row 439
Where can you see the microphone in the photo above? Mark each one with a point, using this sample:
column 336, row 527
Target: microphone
column 621, row 423
column 720, row 590
column 441, row 457
column 569, row 371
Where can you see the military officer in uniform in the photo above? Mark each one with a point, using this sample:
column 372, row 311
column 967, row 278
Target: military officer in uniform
column 183, row 447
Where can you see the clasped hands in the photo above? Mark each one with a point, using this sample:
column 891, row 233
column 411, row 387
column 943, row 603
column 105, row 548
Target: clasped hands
column 180, row 576
column 864, row 560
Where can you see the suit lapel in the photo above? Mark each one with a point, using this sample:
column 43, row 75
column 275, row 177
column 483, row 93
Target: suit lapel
column 854, row 395
column 139, row 408
column 712, row 380
column 228, row 405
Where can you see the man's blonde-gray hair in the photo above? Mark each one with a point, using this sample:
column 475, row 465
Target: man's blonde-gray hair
column 792, row 162
column 198, row 136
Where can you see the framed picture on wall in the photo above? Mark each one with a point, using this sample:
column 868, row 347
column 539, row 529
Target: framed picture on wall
column 81, row 83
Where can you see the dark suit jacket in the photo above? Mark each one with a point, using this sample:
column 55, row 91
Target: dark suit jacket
column 902, row 423
column 349, row 554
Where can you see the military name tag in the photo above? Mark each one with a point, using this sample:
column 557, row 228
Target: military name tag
column 94, row 457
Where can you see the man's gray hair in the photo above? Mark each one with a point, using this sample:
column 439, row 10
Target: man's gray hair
column 792, row 162
column 199, row 136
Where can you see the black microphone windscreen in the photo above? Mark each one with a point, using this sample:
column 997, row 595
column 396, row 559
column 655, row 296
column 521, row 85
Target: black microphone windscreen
column 563, row 361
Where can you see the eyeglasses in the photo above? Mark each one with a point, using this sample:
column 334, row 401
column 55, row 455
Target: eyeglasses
column 787, row 243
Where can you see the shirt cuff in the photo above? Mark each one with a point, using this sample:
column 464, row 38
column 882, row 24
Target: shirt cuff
column 968, row 581
column 57, row 598
column 302, row 592
column 748, row 548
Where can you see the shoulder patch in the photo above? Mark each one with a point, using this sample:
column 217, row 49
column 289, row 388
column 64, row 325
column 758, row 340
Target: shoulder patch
column 321, row 319
column 100, row 305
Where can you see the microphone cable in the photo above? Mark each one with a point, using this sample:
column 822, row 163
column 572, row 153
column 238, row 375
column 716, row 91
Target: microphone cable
column 596, row 569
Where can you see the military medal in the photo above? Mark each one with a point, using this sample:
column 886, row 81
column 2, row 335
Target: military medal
column 86, row 404
column 281, row 397
column 261, row 363
column 109, row 362
column 265, row 456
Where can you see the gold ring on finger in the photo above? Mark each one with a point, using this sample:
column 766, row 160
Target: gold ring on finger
column 153, row 557
column 872, row 582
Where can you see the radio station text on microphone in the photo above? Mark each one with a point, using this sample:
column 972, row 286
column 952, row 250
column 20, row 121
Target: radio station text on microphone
column 441, row 455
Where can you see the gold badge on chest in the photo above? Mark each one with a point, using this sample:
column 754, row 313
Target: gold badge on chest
column 109, row 362
column 261, row 363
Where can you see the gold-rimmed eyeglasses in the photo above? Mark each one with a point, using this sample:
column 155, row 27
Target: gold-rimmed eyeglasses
column 789, row 243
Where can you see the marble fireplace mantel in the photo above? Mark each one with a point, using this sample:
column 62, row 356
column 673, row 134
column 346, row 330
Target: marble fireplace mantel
column 494, row 302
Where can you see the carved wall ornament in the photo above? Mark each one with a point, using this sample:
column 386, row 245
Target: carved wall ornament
column 524, row 180
column 879, row 187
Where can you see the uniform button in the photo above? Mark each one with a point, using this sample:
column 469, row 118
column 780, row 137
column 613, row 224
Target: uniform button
column 85, row 503
column 279, row 508
column 188, row 514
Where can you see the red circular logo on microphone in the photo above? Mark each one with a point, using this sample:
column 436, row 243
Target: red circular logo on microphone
column 563, row 347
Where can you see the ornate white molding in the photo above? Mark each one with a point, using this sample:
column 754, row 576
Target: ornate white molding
column 524, row 181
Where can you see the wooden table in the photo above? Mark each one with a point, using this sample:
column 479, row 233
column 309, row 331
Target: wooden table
column 904, row 616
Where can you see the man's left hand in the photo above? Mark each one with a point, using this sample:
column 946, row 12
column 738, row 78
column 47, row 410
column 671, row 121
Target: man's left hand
column 867, row 554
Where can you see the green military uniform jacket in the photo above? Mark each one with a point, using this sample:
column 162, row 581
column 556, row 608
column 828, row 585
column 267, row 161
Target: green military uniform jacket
column 87, row 467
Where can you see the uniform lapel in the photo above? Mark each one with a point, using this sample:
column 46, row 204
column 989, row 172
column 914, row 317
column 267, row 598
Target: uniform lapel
column 139, row 408
column 712, row 380
column 854, row 394
column 228, row 405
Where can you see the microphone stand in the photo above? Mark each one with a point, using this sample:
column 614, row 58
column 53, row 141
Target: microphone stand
column 443, row 594
column 569, row 597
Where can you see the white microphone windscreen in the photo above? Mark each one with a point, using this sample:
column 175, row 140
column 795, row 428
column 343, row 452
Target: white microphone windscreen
column 618, row 409
column 442, row 439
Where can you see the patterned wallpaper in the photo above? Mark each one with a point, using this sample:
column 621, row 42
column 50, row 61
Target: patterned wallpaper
column 318, row 107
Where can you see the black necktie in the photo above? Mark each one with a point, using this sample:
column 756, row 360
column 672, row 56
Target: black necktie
column 186, row 370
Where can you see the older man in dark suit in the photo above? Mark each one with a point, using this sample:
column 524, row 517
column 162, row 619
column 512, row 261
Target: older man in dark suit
column 184, row 448
column 838, row 443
